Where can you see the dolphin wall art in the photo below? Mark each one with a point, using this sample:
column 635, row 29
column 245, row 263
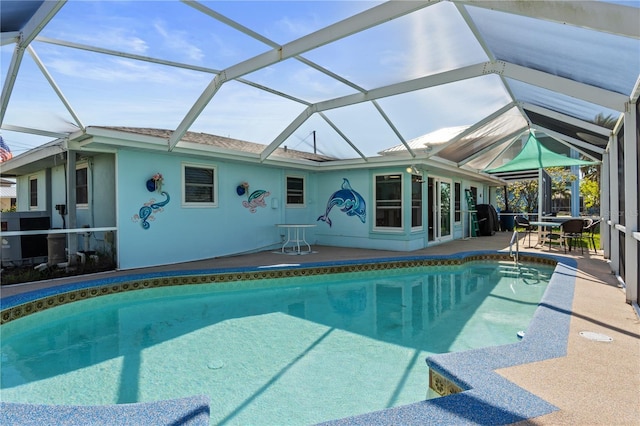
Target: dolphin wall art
column 349, row 202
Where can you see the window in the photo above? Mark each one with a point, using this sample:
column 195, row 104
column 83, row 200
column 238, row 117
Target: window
column 416, row 201
column 33, row 193
column 82, row 187
column 388, row 198
column 295, row 191
column 458, row 206
column 199, row 186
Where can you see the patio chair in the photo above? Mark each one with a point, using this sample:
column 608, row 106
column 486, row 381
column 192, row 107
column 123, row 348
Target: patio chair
column 571, row 232
column 590, row 231
column 522, row 224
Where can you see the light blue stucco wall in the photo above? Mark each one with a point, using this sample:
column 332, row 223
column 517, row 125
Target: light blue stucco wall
column 22, row 192
column 180, row 233
column 58, row 195
column 102, row 191
column 350, row 231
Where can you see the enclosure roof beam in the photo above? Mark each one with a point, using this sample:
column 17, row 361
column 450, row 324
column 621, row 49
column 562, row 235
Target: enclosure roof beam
column 361, row 21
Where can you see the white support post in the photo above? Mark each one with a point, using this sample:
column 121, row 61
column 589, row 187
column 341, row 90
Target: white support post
column 71, row 206
column 614, row 253
column 605, row 205
column 631, row 202
column 575, row 186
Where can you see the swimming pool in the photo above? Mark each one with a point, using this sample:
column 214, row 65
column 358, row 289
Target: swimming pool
column 391, row 322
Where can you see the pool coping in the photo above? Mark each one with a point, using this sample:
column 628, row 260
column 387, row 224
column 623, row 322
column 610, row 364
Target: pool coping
column 487, row 398
column 190, row 411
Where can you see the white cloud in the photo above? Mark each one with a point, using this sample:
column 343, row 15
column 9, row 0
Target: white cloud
column 295, row 28
column 177, row 41
column 121, row 39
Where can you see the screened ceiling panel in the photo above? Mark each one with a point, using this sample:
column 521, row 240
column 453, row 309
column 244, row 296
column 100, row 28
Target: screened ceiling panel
column 296, row 79
column 286, row 24
column 150, row 29
column 316, row 135
column 364, row 79
column 562, row 127
column 557, row 49
column 243, row 112
column 113, row 82
column 425, row 144
column 425, row 42
column 558, row 102
column 445, row 105
column 503, row 126
column 364, row 125
column 35, row 89
column 498, row 153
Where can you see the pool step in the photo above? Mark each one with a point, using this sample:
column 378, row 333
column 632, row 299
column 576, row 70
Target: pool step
column 518, row 272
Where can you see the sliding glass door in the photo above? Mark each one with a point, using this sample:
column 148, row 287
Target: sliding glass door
column 440, row 208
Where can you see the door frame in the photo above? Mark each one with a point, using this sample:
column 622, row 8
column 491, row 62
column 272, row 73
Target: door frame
column 435, row 220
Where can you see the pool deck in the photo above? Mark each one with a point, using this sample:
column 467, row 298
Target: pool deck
column 595, row 383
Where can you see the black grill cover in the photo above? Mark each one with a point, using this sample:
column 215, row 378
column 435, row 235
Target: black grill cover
column 487, row 219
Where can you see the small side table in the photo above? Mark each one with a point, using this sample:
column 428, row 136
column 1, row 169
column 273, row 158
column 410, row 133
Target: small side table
column 296, row 234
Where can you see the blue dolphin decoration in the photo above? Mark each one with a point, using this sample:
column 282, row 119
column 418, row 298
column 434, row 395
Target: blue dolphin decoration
column 348, row 200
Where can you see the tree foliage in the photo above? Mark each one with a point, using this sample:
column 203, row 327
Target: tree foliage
column 523, row 195
column 608, row 121
column 590, row 191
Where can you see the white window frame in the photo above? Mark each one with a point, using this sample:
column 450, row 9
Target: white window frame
column 376, row 227
column 79, row 167
column 193, row 204
column 304, row 192
column 31, row 180
column 458, row 194
column 418, row 180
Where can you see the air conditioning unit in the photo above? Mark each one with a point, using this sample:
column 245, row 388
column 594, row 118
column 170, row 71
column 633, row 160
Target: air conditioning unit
column 30, row 249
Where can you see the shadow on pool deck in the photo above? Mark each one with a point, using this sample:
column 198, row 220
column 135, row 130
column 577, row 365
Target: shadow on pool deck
column 596, row 383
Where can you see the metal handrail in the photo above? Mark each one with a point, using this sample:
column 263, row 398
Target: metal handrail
column 514, row 239
column 57, row 231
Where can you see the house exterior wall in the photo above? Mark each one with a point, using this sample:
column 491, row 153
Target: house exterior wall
column 58, row 195
column 349, row 231
column 102, row 191
column 52, row 184
column 100, row 209
column 179, row 233
column 118, row 196
column 22, row 192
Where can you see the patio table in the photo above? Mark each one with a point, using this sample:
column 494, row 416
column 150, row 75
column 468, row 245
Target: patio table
column 295, row 236
column 546, row 224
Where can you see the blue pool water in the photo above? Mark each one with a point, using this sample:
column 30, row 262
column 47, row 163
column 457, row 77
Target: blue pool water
column 291, row 351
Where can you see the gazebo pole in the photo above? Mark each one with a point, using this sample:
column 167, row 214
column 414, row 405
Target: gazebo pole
column 540, row 194
column 506, row 199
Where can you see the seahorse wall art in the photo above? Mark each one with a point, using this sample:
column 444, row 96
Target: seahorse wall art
column 349, row 202
column 256, row 199
column 145, row 214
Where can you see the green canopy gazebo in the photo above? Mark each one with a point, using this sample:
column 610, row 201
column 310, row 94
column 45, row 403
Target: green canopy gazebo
column 535, row 157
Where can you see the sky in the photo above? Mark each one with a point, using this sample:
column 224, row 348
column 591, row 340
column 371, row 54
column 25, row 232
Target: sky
column 106, row 90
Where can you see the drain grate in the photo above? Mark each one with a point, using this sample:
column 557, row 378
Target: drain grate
column 597, row 337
